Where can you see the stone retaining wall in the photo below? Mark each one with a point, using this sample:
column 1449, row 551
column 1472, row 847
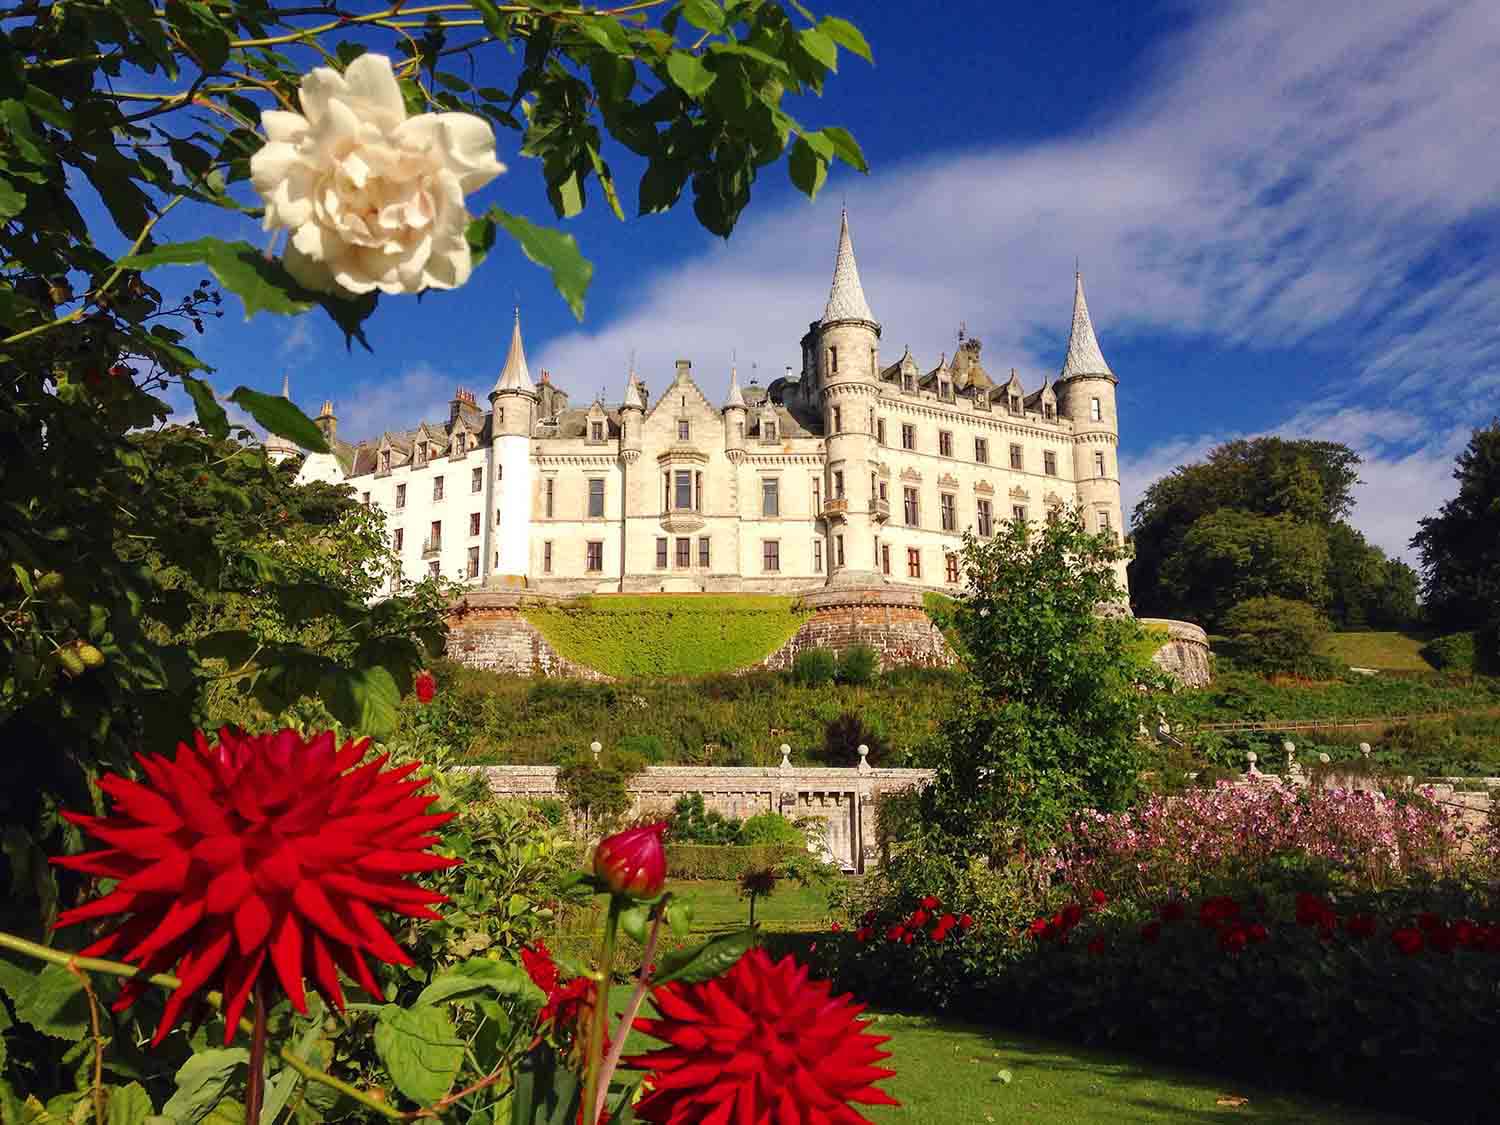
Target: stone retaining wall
column 487, row 630
column 890, row 621
column 1185, row 655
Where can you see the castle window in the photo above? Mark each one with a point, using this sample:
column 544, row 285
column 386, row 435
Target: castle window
column 882, row 490
column 364, row 498
column 950, row 566
column 908, row 436
column 593, row 560
column 986, row 519
column 547, row 495
column 1018, row 513
column 661, row 553
column 473, row 567
column 1049, row 411
column 1017, row 458
column 945, row 443
column 885, row 558
column 817, row 556
column 1098, row 464
column 401, row 496
column 874, row 367
column 770, row 555
column 948, row 504
column 684, row 553
column 1107, row 529
column 739, row 428
column 437, row 488
column 838, row 420
column 872, row 421
column 703, row 552
column 838, row 485
column 476, row 480
column 1049, row 463
column 473, row 523
column 838, row 546
column 435, row 536
column 1015, row 404
column 385, row 460
column 945, row 390
column 817, row 486
column 684, row 429
column 596, row 431
column 596, row 498
column 908, row 383
column 697, row 492
column 458, row 443
column 768, row 430
column 547, row 557
column 770, row 497
column 432, row 569
column 833, row 359
column 913, row 562
column 400, row 536
column 1095, row 414
column 982, row 450
column 421, row 454
column 497, row 517
column 880, row 431
column 911, row 507
column 682, row 490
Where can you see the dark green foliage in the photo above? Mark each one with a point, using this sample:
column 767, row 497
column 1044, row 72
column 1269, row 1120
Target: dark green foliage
column 1453, row 653
column 1046, row 722
column 858, row 665
column 771, row 828
column 597, row 789
column 813, row 667
column 691, row 823
column 1274, row 634
column 725, row 861
column 1229, row 556
column 843, row 737
column 647, row 747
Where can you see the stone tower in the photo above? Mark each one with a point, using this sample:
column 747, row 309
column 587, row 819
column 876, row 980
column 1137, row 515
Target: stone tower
column 736, row 416
column 1086, row 393
column 841, row 358
column 513, row 406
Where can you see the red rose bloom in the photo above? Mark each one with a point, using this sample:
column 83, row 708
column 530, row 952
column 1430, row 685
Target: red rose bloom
column 426, row 685
column 1040, row 928
column 944, row 925
column 1151, row 933
column 895, row 933
column 1255, row 933
column 762, row 1043
column 1407, row 940
column 910, row 937
column 1173, row 912
column 965, row 922
column 1096, row 945
column 258, row 858
column 1072, row 914
column 1360, row 925
column 1468, row 935
column 1444, row 939
column 1232, row 939
column 1314, row 910
column 633, row 863
column 1427, row 921
column 1098, row 897
column 931, row 903
column 836, row 927
column 863, row 935
column 919, row 919
column 1213, row 912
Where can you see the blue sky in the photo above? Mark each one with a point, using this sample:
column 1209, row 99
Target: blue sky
column 1286, row 216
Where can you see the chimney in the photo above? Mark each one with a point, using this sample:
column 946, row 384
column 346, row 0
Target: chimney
column 789, row 373
column 684, row 370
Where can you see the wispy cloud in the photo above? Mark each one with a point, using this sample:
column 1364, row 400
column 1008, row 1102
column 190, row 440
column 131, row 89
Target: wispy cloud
column 1281, row 179
column 420, row 393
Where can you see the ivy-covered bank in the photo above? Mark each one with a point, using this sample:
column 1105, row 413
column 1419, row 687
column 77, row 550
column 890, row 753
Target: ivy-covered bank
column 669, row 635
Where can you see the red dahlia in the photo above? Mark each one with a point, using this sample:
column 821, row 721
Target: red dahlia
column 426, row 685
column 1407, row 940
column 258, row 858
column 762, row 1043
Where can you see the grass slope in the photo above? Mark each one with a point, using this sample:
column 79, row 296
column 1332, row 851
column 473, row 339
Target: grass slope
column 1390, row 652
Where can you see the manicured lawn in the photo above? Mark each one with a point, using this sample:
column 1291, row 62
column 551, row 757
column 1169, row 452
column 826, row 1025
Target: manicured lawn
column 1395, row 652
column 717, row 906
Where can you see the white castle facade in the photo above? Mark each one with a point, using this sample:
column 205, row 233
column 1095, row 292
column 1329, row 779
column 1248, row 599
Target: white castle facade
column 850, row 473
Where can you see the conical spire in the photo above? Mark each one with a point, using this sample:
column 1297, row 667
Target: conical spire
column 632, row 399
column 514, row 376
column 846, row 299
column 327, row 411
column 1084, row 356
column 286, row 385
column 735, row 397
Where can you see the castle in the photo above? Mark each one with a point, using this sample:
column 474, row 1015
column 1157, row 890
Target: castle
column 849, row 473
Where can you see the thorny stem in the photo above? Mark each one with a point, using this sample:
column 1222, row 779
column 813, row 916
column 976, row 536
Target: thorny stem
column 627, row 1018
column 255, row 1081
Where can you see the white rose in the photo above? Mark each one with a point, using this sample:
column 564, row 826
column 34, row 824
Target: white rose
column 374, row 199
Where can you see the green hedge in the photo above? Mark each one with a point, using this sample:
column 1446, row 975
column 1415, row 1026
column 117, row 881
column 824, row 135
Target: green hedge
column 669, row 634
column 1453, row 653
column 725, row 861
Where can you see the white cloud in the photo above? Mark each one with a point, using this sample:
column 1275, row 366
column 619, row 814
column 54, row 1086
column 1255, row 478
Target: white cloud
column 420, row 393
column 1285, row 177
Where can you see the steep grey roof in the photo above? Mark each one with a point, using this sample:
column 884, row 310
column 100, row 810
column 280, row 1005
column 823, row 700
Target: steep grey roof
column 514, row 376
column 1084, row 356
column 846, row 299
column 735, row 397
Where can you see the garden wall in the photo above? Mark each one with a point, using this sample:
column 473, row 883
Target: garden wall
column 487, row 630
column 1185, row 655
column 889, row 620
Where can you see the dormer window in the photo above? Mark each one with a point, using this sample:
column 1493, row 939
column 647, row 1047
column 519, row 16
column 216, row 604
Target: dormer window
column 1015, row 404
column 684, row 430
column 1049, row 412
column 596, row 431
column 908, row 383
column 945, row 391
column 421, row 455
column 768, row 430
column 385, row 460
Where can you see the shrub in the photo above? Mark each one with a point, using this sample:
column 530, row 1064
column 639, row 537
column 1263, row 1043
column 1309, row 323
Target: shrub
column 647, row 746
column 692, row 823
column 771, row 828
column 596, row 788
column 858, row 665
column 1454, row 652
column 724, row 861
column 1278, row 635
column 843, row 737
column 814, row 667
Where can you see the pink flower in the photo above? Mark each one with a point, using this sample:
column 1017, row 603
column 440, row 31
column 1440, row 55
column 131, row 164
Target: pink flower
column 633, row 863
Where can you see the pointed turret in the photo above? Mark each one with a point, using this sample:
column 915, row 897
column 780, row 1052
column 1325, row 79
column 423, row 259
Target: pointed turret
column 1084, row 356
column 278, row 448
column 515, row 376
column 327, row 421
column 846, row 298
column 736, row 398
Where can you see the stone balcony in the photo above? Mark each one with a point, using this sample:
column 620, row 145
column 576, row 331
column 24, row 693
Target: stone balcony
column 835, row 508
column 882, row 510
column 431, row 548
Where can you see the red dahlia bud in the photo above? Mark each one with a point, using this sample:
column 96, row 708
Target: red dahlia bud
column 633, row 863
column 426, row 685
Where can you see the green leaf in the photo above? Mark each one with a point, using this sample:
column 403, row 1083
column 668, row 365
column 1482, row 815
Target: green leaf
column 680, row 917
column 206, row 38
column 11, row 200
column 419, row 1050
column 845, row 147
column 129, row 1105
column 494, row 22
column 259, row 282
column 211, row 415
column 282, row 417
column 364, row 699
column 233, row 646
column 201, row 1083
column 544, row 1093
column 633, row 922
column 807, row 168
column 703, row 14
column 847, row 36
column 704, row 962
column 55, row 1004
column 553, row 251
column 478, row 976
column 689, row 73
column 820, row 46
